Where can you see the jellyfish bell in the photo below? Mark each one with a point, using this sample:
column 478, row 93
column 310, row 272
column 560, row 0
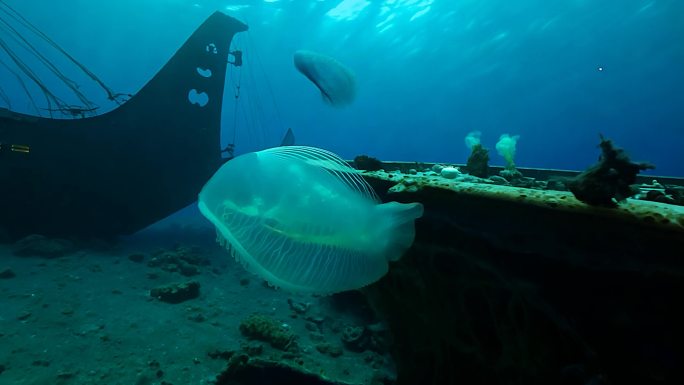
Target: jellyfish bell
column 336, row 81
column 303, row 220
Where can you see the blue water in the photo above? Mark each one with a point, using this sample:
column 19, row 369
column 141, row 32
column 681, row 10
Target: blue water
column 429, row 71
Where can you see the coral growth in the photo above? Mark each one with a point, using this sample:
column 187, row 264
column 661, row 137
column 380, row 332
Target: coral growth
column 506, row 148
column 478, row 161
column 263, row 328
column 368, row 163
column 610, row 180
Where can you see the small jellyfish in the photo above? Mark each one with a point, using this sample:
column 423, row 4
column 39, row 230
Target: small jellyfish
column 336, row 82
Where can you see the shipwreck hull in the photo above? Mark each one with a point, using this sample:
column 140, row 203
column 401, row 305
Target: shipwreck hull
column 118, row 172
column 508, row 285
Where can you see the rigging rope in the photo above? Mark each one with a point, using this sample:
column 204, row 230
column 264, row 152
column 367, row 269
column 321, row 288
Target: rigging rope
column 238, row 69
column 22, row 84
column 49, row 96
column 5, row 98
column 16, row 36
column 268, row 83
column 21, row 19
column 11, row 21
column 249, row 107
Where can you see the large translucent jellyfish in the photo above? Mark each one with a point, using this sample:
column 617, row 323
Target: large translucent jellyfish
column 305, row 221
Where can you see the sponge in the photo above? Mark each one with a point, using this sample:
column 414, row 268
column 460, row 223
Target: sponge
column 506, row 148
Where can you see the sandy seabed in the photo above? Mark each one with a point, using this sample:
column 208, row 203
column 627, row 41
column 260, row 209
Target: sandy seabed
column 87, row 317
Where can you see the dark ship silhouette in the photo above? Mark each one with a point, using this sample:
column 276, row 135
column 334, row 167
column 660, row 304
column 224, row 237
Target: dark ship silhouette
column 118, row 172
